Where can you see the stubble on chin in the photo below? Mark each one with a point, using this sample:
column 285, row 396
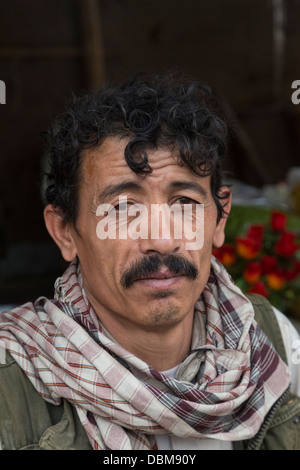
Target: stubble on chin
column 163, row 316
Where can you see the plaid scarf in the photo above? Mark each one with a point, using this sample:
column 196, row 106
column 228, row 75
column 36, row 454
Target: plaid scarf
column 222, row 390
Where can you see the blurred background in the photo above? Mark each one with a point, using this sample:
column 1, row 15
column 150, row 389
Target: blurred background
column 247, row 50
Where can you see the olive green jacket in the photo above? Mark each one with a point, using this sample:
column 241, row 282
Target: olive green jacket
column 27, row 421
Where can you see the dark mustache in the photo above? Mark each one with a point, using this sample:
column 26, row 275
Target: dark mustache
column 152, row 263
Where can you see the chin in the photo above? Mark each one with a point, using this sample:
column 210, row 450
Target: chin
column 164, row 316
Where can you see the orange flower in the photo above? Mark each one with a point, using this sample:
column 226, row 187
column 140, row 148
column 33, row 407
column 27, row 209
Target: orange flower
column 252, row 272
column 276, row 280
column 225, row 255
column 247, row 248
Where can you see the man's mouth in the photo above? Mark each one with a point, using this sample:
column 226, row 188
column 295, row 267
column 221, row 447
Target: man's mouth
column 160, row 280
column 163, row 273
column 158, row 272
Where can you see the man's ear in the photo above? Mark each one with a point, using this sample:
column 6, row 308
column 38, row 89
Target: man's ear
column 225, row 200
column 60, row 232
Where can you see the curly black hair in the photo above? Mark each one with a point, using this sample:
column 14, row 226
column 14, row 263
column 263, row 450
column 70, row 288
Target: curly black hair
column 162, row 113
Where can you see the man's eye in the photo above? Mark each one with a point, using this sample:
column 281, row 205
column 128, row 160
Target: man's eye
column 122, row 207
column 186, row 200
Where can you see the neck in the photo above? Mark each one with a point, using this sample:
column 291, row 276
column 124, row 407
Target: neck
column 162, row 348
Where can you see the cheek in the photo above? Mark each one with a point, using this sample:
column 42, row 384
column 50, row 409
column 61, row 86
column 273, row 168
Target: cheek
column 202, row 257
column 210, row 226
column 99, row 266
column 107, row 260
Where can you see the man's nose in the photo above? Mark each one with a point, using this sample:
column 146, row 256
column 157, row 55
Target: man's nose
column 161, row 237
column 160, row 245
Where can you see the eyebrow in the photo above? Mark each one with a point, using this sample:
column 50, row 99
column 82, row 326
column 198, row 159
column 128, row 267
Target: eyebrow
column 113, row 190
column 190, row 186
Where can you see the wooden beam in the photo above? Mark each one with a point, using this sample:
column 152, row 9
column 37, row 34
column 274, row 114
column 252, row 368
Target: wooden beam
column 92, row 43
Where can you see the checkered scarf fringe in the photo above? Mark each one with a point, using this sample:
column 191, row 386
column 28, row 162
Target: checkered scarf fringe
column 222, row 390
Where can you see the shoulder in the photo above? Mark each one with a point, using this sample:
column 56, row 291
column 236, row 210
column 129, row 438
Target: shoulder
column 282, row 333
column 266, row 318
column 291, row 339
column 27, row 421
column 23, row 413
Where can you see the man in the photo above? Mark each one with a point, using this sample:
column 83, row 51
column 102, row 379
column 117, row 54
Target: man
column 147, row 344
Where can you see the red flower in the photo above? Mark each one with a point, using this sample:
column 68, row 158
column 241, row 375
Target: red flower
column 259, row 288
column 248, row 248
column 252, row 272
column 293, row 272
column 268, row 264
column 286, row 245
column 256, row 232
column 278, row 221
column 225, row 254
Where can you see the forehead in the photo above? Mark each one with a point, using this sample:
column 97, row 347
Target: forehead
column 106, row 165
column 109, row 158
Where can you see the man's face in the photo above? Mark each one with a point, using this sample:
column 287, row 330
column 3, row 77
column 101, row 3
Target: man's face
column 122, row 286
